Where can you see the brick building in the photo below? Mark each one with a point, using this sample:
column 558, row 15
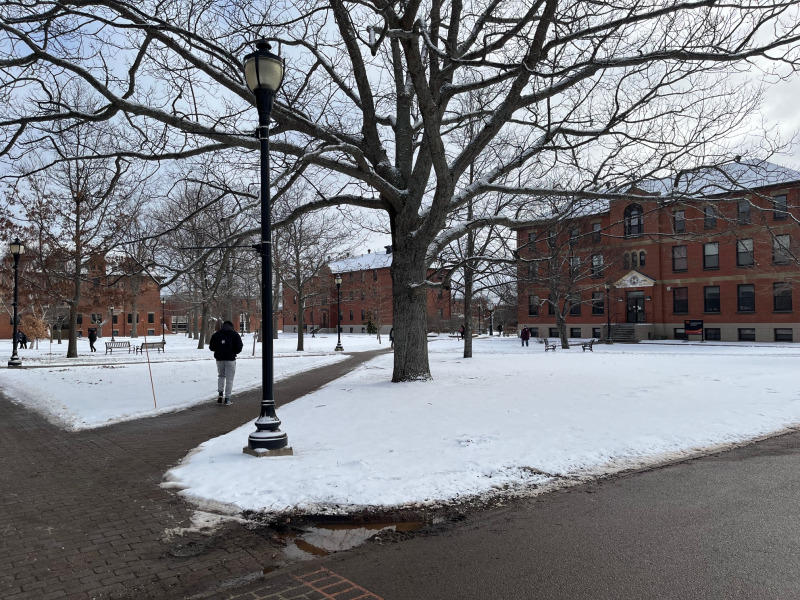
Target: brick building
column 366, row 297
column 643, row 267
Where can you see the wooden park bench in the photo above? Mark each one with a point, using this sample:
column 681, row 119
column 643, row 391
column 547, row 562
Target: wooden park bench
column 587, row 345
column 548, row 345
column 150, row 346
column 111, row 346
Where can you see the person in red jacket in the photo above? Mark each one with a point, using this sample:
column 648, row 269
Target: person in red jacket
column 225, row 344
column 525, row 334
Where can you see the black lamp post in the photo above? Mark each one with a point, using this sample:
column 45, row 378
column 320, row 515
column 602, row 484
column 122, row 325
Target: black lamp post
column 608, row 314
column 111, row 310
column 490, row 308
column 163, row 323
column 338, row 280
column 17, row 249
column 264, row 74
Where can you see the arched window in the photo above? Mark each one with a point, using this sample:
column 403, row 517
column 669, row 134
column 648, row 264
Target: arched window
column 641, row 258
column 626, row 261
column 634, row 220
column 634, row 260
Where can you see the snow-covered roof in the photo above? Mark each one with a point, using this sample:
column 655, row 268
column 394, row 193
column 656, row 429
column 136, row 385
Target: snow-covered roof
column 733, row 176
column 373, row 260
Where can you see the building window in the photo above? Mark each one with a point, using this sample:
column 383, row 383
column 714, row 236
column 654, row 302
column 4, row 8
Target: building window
column 782, row 296
column 779, row 208
column 596, row 234
column 574, row 265
column 626, row 261
column 115, row 319
column 551, row 238
column 634, row 220
column 151, row 317
column 679, row 333
column 596, row 332
column 362, row 292
column 598, row 303
column 363, row 314
column 597, row 265
column 551, row 306
column 744, row 253
column 744, row 212
column 747, row 334
column 80, row 319
column 713, row 334
column 709, row 217
column 374, row 274
column 679, row 221
column 679, row 258
column 784, row 334
column 533, row 270
column 554, row 332
column 680, row 300
column 634, row 260
column 780, row 249
column 711, row 255
column 575, row 305
column 534, row 331
column 746, row 295
column 642, row 255
column 533, row 305
column 351, row 315
column 575, row 332
column 711, row 302
column 574, row 234
column 151, row 332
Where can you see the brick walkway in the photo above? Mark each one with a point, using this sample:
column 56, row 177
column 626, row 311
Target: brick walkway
column 83, row 516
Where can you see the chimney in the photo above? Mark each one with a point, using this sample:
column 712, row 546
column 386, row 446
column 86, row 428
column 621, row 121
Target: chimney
column 388, row 249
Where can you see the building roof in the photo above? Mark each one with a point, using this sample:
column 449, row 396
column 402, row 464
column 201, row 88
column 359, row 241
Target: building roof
column 733, row 176
column 373, row 260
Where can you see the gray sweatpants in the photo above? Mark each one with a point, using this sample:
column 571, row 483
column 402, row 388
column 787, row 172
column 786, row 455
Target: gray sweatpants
column 226, row 369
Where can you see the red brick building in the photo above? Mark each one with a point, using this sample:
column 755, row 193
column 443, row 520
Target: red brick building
column 366, row 297
column 729, row 262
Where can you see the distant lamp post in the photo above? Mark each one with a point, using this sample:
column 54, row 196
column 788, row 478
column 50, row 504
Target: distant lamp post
column 608, row 313
column 490, row 308
column 338, row 280
column 163, row 323
column 17, row 249
column 264, row 74
column 111, row 310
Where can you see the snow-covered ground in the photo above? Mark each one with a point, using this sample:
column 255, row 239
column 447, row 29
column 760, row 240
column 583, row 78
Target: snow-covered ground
column 507, row 419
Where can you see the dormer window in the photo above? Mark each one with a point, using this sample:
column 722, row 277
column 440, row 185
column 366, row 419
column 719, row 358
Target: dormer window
column 634, row 220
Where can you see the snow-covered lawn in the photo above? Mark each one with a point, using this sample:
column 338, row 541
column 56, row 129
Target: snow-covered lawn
column 504, row 420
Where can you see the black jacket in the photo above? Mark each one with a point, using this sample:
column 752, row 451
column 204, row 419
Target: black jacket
column 225, row 343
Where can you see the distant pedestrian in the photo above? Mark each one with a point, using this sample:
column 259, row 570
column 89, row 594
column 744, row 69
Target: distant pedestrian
column 92, row 339
column 525, row 334
column 22, row 339
column 499, row 331
column 225, row 344
column 461, row 332
column 391, row 337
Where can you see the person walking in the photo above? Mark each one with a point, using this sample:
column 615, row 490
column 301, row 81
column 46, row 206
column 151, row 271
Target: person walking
column 391, row 337
column 92, row 340
column 225, row 344
column 525, row 334
column 461, row 332
column 22, row 339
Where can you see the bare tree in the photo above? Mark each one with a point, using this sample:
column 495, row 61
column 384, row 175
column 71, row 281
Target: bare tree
column 609, row 92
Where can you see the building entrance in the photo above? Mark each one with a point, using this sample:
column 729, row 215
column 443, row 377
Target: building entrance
column 636, row 307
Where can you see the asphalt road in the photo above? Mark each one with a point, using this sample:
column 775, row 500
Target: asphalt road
column 722, row 527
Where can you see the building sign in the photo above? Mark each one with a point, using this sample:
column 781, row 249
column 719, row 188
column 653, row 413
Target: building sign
column 693, row 327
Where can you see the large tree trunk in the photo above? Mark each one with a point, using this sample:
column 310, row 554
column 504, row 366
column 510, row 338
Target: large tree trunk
column 134, row 319
column 203, row 328
column 300, row 320
column 410, row 322
column 72, row 348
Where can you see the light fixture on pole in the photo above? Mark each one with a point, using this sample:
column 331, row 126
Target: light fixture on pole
column 490, row 308
column 111, row 310
column 338, row 280
column 163, row 323
column 264, row 74
column 17, row 249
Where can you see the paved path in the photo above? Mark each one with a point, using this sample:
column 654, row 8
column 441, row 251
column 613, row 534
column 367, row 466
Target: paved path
column 82, row 514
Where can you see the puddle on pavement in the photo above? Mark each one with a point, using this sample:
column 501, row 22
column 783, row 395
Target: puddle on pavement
column 323, row 539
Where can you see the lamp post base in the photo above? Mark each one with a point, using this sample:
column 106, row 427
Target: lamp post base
column 259, row 452
column 339, row 348
column 15, row 362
